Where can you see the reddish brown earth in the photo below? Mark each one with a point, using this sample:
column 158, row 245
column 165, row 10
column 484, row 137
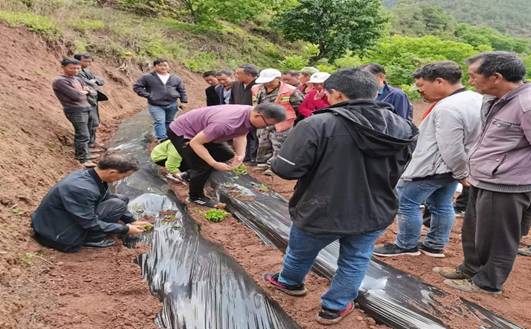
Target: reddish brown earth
column 39, row 287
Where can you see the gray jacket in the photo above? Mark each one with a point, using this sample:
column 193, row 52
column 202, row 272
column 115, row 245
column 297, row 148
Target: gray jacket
column 446, row 136
column 93, row 82
column 501, row 159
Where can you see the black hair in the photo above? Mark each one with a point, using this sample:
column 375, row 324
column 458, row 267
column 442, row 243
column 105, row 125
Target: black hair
column 159, row 61
column 209, row 74
column 118, row 162
column 81, row 56
column 447, row 70
column 507, row 64
column 373, row 68
column 68, row 61
column 250, row 69
column 353, row 83
column 292, row 73
column 224, row 72
column 271, row 111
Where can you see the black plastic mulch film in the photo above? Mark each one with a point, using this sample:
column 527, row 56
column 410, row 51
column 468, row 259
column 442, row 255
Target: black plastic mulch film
column 200, row 287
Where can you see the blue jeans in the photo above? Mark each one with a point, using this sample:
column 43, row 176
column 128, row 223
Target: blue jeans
column 438, row 194
column 354, row 255
column 162, row 117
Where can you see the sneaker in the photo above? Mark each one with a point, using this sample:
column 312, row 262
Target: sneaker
column 88, row 164
column 327, row 316
column 269, row 172
column 207, row 202
column 105, row 243
column 392, row 250
column 292, row 290
column 468, row 285
column 451, row 273
column 97, row 146
column 437, row 253
column 525, row 251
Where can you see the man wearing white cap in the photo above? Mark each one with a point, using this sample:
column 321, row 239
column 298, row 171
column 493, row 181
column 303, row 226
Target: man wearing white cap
column 316, row 98
column 270, row 89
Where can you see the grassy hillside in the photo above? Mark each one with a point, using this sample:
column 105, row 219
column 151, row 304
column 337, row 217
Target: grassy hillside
column 508, row 16
column 128, row 37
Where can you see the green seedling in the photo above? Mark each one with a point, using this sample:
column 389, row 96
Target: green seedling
column 148, row 227
column 216, row 215
column 240, row 170
column 263, row 188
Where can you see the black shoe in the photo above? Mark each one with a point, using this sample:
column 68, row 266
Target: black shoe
column 327, row 316
column 391, row 250
column 207, row 202
column 105, row 243
column 292, row 290
column 250, row 163
column 437, row 253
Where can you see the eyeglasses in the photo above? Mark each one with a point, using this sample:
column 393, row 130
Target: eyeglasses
column 265, row 122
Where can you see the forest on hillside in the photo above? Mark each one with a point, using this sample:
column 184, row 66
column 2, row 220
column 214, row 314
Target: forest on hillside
column 508, row 16
column 285, row 34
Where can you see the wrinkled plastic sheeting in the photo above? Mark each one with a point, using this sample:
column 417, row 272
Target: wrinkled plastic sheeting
column 391, row 296
column 198, row 286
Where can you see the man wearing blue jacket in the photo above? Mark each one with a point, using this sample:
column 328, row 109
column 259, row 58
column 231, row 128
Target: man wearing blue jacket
column 80, row 210
column 389, row 94
column 354, row 150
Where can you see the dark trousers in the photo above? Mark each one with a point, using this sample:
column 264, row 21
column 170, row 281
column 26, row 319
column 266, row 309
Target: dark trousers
column 492, row 228
column 252, row 146
column 110, row 211
column 80, row 120
column 462, row 200
column 93, row 123
column 198, row 170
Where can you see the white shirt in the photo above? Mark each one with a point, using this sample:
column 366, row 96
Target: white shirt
column 164, row 78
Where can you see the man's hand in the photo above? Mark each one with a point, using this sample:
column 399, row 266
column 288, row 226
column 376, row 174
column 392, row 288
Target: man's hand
column 85, row 92
column 236, row 161
column 221, row 166
column 140, row 222
column 135, row 229
column 464, row 182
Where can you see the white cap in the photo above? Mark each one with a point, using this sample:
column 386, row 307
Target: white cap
column 319, row 77
column 268, row 75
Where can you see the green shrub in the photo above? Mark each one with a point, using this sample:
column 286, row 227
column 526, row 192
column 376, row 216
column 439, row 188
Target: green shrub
column 36, row 23
column 201, row 62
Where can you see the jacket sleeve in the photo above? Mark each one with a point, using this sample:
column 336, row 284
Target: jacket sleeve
column 450, row 136
column 526, row 123
column 182, row 91
column 296, row 99
column 305, row 109
column 402, row 105
column 67, row 90
column 298, row 153
column 82, row 203
column 140, row 87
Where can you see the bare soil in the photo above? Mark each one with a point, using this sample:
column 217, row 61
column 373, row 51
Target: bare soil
column 39, row 287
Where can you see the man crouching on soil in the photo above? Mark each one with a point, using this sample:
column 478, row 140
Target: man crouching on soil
column 200, row 137
column 347, row 160
column 80, row 210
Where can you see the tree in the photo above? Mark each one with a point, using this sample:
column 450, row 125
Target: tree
column 335, row 26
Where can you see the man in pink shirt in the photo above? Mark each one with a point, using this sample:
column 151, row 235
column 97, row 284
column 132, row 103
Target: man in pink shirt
column 200, row 137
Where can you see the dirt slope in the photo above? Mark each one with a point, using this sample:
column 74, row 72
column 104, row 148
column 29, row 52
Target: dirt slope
column 41, row 288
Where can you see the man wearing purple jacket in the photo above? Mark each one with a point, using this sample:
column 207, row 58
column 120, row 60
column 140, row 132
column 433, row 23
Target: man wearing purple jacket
column 499, row 208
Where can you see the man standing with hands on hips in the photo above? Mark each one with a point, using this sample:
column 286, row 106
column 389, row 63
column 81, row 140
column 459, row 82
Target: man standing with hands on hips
column 200, row 137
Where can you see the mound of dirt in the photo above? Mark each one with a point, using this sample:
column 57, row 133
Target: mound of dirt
column 41, row 288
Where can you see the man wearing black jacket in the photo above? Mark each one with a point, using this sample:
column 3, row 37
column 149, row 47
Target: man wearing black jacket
column 162, row 91
column 241, row 93
column 212, row 97
column 347, row 160
column 80, row 210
